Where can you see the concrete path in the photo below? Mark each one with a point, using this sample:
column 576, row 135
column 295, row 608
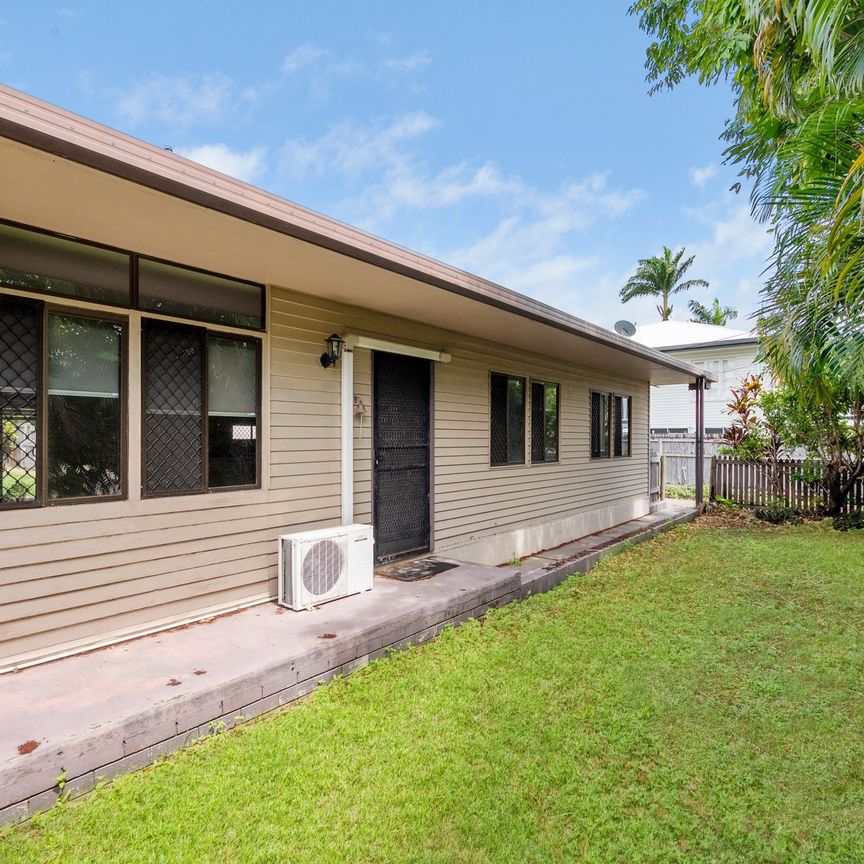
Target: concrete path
column 116, row 709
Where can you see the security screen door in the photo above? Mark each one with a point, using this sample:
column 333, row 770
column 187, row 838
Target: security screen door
column 402, row 455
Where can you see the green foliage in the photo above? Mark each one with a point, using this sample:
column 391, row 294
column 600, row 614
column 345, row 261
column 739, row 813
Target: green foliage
column 683, row 492
column 778, row 513
column 849, row 521
column 797, row 74
column 746, row 437
column 713, row 314
column 644, row 712
column 7, row 440
column 17, row 485
column 661, row 276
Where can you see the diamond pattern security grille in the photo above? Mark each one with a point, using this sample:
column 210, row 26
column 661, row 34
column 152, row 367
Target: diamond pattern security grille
column 19, row 400
column 599, row 425
column 507, row 419
column 173, row 409
column 402, row 459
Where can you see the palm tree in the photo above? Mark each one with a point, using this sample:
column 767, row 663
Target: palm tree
column 713, row 314
column 661, row 276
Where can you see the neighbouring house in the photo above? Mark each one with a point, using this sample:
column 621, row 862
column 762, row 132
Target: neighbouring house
column 730, row 355
column 171, row 406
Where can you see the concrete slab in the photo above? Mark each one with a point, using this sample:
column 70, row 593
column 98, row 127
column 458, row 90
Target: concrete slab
column 116, row 709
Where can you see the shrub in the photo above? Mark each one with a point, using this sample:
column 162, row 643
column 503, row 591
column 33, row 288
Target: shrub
column 847, row 521
column 778, row 513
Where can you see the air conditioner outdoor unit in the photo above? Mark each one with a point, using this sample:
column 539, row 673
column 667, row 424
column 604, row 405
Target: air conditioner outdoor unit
column 317, row 566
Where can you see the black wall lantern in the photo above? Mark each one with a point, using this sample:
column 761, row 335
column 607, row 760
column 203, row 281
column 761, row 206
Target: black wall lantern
column 331, row 356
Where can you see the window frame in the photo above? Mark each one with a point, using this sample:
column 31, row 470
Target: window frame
column 43, row 437
column 614, row 434
column 608, row 395
column 204, row 333
column 133, row 303
column 546, row 383
column 259, row 387
column 525, row 425
column 198, row 321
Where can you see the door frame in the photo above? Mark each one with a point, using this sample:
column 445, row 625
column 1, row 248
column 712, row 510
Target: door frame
column 431, row 445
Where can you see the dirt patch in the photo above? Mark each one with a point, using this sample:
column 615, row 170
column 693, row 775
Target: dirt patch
column 200, row 672
column 27, row 747
column 174, row 682
column 327, row 636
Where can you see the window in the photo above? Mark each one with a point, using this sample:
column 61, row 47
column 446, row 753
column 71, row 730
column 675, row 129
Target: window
column 232, row 411
column 621, row 423
column 61, row 427
column 20, row 417
column 610, row 425
column 49, row 264
column 185, row 293
column 507, row 426
column 85, row 439
column 600, row 404
column 201, row 409
column 33, row 261
column 544, row 422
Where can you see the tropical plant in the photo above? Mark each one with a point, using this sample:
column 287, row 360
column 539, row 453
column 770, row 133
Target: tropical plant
column 713, row 314
column 745, row 436
column 797, row 74
column 661, row 276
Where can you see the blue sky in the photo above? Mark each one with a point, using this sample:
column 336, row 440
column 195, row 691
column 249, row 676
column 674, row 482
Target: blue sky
column 515, row 140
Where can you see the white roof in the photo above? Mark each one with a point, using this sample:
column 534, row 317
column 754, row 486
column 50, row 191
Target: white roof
column 675, row 334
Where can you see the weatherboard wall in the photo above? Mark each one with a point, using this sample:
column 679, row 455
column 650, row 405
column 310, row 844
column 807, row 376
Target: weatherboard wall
column 73, row 577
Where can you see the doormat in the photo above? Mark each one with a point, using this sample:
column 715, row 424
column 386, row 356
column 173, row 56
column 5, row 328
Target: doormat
column 412, row 571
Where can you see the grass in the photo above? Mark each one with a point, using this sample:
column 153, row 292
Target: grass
column 697, row 698
column 677, row 491
column 17, row 485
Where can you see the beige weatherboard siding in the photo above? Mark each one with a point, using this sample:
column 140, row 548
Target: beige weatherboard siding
column 72, row 576
column 76, row 576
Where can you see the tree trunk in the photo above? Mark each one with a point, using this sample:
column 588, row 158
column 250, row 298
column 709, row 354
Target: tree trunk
column 839, row 482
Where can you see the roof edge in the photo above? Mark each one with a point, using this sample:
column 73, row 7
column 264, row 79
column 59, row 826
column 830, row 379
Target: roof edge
column 717, row 343
column 45, row 127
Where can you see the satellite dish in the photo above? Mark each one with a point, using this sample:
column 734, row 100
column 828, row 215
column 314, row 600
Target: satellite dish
column 625, row 328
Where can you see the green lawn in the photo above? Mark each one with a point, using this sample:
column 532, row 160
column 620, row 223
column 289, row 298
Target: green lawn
column 698, row 698
column 16, row 485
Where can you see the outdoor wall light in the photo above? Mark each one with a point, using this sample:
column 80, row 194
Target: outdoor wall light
column 334, row 350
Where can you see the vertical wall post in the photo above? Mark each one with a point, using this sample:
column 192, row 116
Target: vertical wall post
column 347, row 435
column 700, row 440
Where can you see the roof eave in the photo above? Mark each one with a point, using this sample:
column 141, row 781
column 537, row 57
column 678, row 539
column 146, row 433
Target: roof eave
column 45, row 127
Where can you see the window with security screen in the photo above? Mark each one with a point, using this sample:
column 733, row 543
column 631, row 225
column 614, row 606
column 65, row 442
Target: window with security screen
column 201, row 409
column 621, row 425
column 20, row 362
column 600, row 425
column 62, row 415
column 611, row 422
column 507, row 419
column 544, row 421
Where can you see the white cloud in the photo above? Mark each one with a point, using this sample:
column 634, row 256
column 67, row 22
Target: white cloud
column 244, row 166
column 734, row 237
column 181, row 101
column 537, row 247
column 536, row 243
column 353, row 150
column 701, row 176
column 412, row 63
column 302, row 56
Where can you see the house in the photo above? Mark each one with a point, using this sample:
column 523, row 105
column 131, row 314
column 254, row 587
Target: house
column 730, row 355
column 167, row 347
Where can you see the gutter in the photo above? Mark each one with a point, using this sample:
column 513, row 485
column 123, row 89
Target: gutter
column 40, row 125
column 718, row 343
